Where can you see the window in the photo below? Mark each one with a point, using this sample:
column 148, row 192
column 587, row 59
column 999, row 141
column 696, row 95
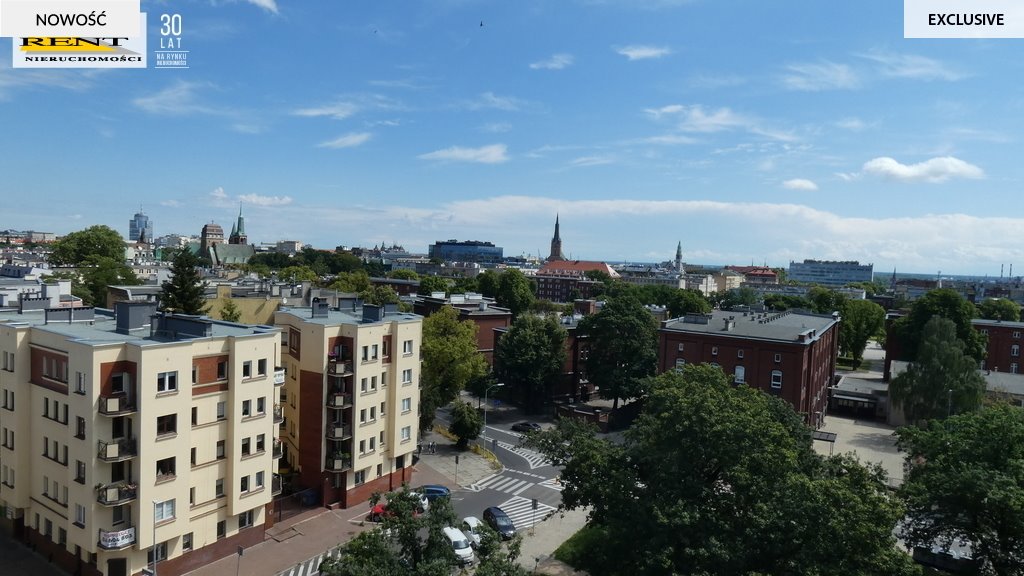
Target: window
column 407, row 347
column 776, row 378
column 406, row 433
column 740, row 371
column 363, row 384
column 373, row 413
column 195, row 415
column 163, row 510
column 1016, row 334
column 118, row 514
column 366, row 353
column 1013, row 368
column 218, row 488
column 9, row 399
column 79, row 427
column 261, row 442
column 406, row 405
column 79, row 471
column 195, row 372
column 407, row 376
column 159, row 551
column 362, row 416
column 166, row 382
column 165, row 469
column 261, row 367
column 1015, row 350
column 80, row 515
column 186, row 541
column 245, row 519
column 680, row 362
column 373, row 351
column 373, row 443
column 46, row 407
column 386, row 347
column 259, row 479
column 382, row 405
column 739, row 354
column 62, row 536
column 243, row 484
column 192, row 495
column 714, row 350
column 362, row 447
column 360, row 477
column 222, row 370
column 119, row 383
column 680, row 347
column 220, row 449
column 261, row 405
column 166, row 424
column 222, row 529
column 221, row 410
column 9, row 361
column 247, row 369
column 246, row 408
column 778, row 358
column 79, row 383
column 245, row 447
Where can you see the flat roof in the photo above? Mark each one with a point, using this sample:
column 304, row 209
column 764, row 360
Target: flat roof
column 780, row 326
column 337, row 317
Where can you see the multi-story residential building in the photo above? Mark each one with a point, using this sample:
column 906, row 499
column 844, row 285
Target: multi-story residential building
column 466, row 251
column 791, row 355
column 137, row 439
column 351, row 398
column 753, row 275
column 831, row 273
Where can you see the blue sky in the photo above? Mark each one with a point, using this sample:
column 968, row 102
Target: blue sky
column 750, row 132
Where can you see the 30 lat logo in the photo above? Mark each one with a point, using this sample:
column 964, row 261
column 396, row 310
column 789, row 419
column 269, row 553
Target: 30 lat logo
column 171, row 53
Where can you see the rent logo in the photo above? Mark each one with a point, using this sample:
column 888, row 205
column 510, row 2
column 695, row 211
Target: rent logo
column 81, row 52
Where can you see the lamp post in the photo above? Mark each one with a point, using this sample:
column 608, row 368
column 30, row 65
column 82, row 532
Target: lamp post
column 495, row 385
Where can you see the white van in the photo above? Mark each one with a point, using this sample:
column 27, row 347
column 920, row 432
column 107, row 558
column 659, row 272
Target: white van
column 461, row 545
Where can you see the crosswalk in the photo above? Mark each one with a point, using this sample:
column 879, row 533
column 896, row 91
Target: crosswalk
column 503, row 483
column 534, row 459
column 310, row 567
column 520, row 511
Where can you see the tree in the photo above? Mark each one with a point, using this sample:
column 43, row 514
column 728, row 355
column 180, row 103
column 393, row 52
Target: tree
column 96, row 274
column 450, row 360
column 351, row 282
column 529, row 359
column 431, row 284
column 487, row 283
column 946, row 303
column 738, row 297
column 826, row 301
column 862, row 319
column 95, row 241
column 466, row 424
column 622, row 348
column 403, row 274
column 785, row 302
column 872, row 288
column 298, row 274
column 692, row 490
column 514, row 292
column 683, row 302
column 942, row 381
column 999, row 309
column 230, row 311
column 966, row 483
column 380, row 295
column 185, row 291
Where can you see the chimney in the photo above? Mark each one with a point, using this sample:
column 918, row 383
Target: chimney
column 320, row 307
column 133, row 317
column 372, row 313
column 729, row 324
column 483, row 306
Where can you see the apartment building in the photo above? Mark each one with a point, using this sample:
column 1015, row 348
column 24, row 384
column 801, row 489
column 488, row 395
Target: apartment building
column 791, row 355
column 350, row 399
column 137, row 438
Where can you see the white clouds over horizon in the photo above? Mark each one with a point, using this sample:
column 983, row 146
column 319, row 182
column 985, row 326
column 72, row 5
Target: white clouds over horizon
column 800, row 184
column 933, row 170
column 643, row 52
column 491, row 154
column 349, row 140
column 555, row 62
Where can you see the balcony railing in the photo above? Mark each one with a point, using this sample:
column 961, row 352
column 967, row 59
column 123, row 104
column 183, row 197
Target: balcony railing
column 278, row 376
column 339, row 368
column 339, row 431
column 116, row 494
column 278, row 449
column 275, row 484
column 338, row 464
column 117, row 450
column 278, row 413
column 339, row 400
column 117, row 539
column 116, row 405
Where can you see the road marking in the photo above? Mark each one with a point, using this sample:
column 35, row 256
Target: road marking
column 520, row 511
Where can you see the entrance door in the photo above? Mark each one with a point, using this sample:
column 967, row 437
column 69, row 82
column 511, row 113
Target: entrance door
column 117, row 567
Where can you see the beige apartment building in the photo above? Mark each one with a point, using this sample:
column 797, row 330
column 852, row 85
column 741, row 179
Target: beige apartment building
column 137, row 435
column 351, row 398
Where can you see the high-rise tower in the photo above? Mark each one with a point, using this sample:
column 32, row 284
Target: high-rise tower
column 140, row 225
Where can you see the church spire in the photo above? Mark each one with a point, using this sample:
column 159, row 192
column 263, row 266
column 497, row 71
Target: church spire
column 556, row 244
column 679, row 257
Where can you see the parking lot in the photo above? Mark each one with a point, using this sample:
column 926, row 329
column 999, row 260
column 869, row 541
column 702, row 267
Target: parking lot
column 870, row 441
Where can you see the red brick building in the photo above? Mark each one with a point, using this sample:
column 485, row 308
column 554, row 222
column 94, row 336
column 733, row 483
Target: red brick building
column 1002, row 354
column 573, row 384
column 790, row 354
column 472, row 308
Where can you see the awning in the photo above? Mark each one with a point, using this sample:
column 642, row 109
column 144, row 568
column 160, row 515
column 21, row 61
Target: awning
column 824, row 436
column 855, row 398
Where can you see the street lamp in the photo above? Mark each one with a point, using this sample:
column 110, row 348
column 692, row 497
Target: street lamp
column 495, row 385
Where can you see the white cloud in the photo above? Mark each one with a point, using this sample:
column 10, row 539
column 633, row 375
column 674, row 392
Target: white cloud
column 179, row 99
column 218, row 193
column 337, row 111
column 591, row 161
column 643, row 52
column 259, row 200
column 555, row 62
column 852, row 124
column 492, row 154
column 801, row 184
column 665, row 139
column 268, row 5
column 496, row 127
column 814, row 77
column 490, row 100
column 347, row 141
column 171, row 203
column 697, row 118
column 912, row 66
column 934, row 170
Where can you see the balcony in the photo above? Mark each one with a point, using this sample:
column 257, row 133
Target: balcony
column 339, row 400
column 338, row 463
column 278, row 376
column 275, row 484
column 339, row 368
column 278, row 414
column 116, row 405
column 117, row 539
column 278, row 449
column 116, row 494
column 117, row 450
column 339, row 431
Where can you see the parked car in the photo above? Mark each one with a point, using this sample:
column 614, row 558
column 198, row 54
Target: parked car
column 502, row 524
column 461, row 544
column 525, row 427
column 471, row 527
column 378, row 512
column 433, row 491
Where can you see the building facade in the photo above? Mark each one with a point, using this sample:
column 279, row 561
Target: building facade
column 467, row 251
column 474, row 308
column 831, row 273
column 136, row 439
column 350, row 399
column 790, row 355
column 140, row 227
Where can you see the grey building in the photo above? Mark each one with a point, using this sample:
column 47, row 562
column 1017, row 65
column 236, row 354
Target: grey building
column 467, row 251
column 832, row 273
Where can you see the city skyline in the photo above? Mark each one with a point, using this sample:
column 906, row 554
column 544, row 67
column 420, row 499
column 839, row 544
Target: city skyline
column 751, row 133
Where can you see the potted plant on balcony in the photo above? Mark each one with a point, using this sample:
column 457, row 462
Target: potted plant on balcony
column 339, row 459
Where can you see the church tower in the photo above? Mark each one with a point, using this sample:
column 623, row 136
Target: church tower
column 238, row 231
column 679, row 258
column 556, row 245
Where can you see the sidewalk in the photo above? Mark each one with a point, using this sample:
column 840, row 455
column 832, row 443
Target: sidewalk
column 541, row 541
